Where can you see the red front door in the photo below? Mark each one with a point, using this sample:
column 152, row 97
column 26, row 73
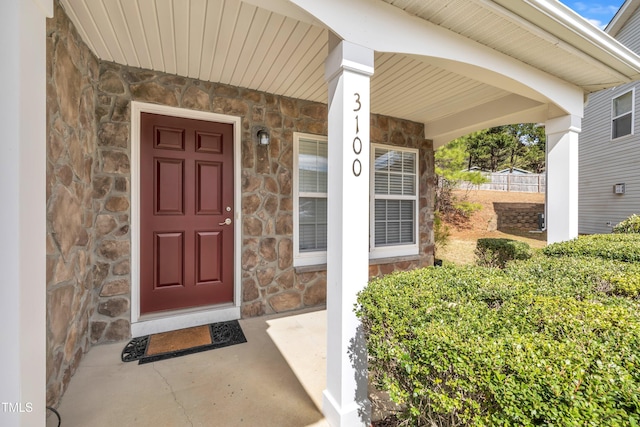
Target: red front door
column 186, row 213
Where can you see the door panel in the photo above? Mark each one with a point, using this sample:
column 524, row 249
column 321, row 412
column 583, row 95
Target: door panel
column 169, row 187
column 209, row 247
column 170, row 139
column 168, row 260
column 209, row 194
column 208, row 142
column 186, row 185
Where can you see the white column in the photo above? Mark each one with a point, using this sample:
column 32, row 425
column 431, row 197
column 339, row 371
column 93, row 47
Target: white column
column 348, row 69
column 562, row 178
column 22, row 217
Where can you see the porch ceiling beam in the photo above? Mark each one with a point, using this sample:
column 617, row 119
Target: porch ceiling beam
column 509, row 109
column 385, row 28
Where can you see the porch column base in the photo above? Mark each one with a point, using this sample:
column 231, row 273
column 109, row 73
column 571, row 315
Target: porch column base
column 346, row 416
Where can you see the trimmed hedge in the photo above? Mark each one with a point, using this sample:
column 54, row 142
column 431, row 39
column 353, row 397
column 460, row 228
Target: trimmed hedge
column 621, row 247
column 629, row 225
column 548, row 341
column 578, row 277
column 497, row 252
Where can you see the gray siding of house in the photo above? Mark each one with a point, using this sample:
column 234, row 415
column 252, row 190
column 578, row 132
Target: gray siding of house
column 605, row 162
column 629, row 34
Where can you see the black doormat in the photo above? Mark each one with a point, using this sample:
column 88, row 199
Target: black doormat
column 155, row 347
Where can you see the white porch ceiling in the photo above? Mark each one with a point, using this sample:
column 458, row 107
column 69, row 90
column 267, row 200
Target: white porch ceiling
column 237, row 43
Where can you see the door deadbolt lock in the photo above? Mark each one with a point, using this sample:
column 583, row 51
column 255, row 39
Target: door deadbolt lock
column 226, row 222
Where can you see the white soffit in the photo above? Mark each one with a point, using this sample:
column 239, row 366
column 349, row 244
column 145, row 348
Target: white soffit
column 226, row 41
column 278, row 48
column 544, row 34
column 415, row 90
column 237, row 43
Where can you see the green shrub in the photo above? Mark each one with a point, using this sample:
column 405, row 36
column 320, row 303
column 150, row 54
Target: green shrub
column 497, row 252
column 627, row 285
column 466, row 208
column 577, row 277
column 479, row 346
column 629, row 225
column 621, row 247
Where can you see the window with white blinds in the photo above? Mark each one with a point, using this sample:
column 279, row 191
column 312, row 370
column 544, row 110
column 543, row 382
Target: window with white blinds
column 310, row 199
column 394, row 201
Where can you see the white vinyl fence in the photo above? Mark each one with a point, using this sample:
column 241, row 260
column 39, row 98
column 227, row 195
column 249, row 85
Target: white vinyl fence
column 527, row 183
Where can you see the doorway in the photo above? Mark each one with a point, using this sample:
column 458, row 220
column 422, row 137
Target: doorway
column 185, row 218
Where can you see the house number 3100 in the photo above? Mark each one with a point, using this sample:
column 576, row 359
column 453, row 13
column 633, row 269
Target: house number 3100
column 357, row 143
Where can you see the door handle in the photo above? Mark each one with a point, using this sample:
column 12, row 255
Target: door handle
column 226, row 222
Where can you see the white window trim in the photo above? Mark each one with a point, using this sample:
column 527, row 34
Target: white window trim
column 633, row 110
column 397, row 250
column 301, row 259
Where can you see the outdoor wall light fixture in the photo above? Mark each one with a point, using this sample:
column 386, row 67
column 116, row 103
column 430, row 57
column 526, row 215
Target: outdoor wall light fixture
column 263, row 137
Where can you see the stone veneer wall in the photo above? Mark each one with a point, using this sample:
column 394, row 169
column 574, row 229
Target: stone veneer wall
column 89, row 196
column 72, row 73
column 270, row 283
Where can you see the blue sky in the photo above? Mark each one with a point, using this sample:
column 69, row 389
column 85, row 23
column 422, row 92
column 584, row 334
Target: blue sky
column 598, row 12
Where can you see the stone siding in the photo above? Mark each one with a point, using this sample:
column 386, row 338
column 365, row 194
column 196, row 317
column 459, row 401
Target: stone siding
column 72, row 72
column 522, row 216
column 270, row 284
column 89, row 194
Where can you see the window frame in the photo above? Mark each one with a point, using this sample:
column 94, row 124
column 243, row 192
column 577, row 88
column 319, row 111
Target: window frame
column 301, row 259
column 388, row 251
column 631, row 112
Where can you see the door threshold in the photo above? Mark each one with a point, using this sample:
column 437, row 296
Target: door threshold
column 179, row 319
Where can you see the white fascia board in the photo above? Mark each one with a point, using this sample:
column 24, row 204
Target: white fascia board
column 386, row 28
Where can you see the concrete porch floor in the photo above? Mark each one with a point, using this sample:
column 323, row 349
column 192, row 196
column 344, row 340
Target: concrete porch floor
column 274, row 379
